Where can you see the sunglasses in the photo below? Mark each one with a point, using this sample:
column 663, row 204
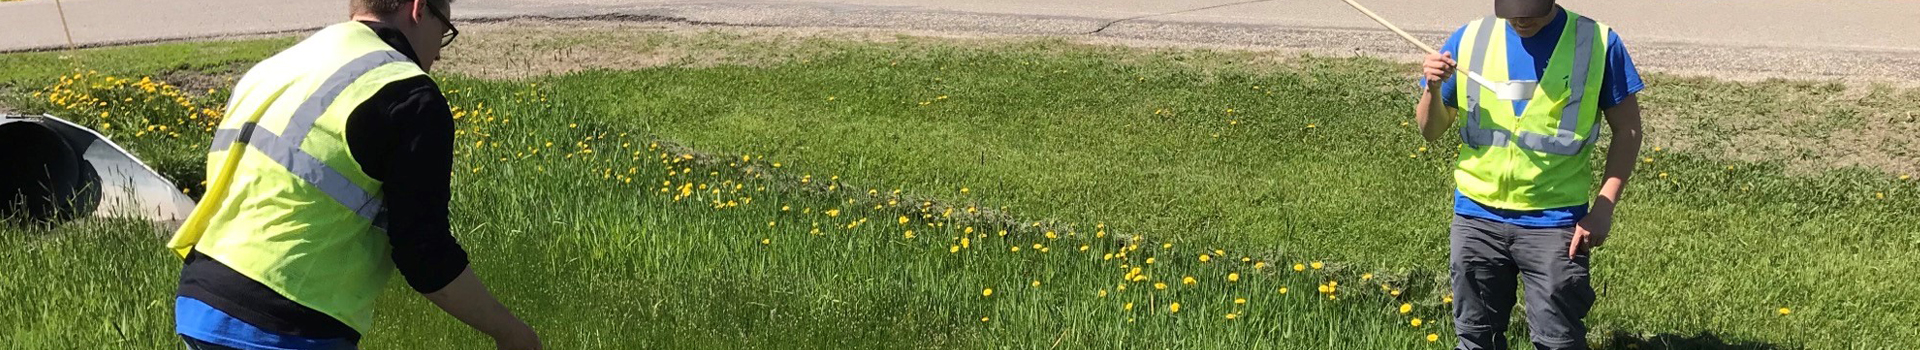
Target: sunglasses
column 445, row 39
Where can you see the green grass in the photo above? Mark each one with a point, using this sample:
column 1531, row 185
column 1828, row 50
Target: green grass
column 1312, row 164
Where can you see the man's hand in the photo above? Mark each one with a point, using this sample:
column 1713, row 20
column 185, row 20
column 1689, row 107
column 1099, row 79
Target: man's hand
column 1591, row 232
column 1433, row 116
column 1437, row 68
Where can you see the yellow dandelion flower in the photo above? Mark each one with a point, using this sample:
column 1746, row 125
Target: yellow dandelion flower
column 1003, row 233
column 1166, row 246
column 904, row 219
column 1205, row 258
column 1036, row 283
column 1128, row 307
column 1188, row 280
column 909, row 234
column 1395, row 292
column 1173, row 308
column 1233, row 277
column 1283, row 290
column 983, row 319
column 1240, row 301
column 965, row 243
column 1159, row 285
column 1103, row 293
column 1432, row 337
column 1083, row 247
column 953, row 249
column 1415, row 322
column 766, row 241
column 1259, row 265
column 1231, row 316
column 1447, row 299
column 1013, row 248
column 1051, row 235
column 1366, row 276
column 1317, row 265
column 1785, row 311
column 1406, row 308
column 1299, row 267
column 1149, row 260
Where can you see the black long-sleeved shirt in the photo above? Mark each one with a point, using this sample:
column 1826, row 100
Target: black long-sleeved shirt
column 402, row 136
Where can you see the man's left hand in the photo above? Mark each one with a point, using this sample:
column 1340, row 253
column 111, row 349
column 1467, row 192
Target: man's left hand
column 1591, row 232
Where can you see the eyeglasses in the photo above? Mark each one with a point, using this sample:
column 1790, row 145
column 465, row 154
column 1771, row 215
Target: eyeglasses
column 445, row 39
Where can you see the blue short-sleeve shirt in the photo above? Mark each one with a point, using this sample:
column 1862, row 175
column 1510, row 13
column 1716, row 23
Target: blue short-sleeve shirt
column 1528, row 61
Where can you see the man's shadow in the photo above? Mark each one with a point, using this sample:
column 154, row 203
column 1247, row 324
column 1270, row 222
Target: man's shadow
column 1619, row 340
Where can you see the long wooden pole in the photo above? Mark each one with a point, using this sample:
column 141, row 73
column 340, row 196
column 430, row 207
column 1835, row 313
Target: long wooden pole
column 63, row 22
column 1390, row 26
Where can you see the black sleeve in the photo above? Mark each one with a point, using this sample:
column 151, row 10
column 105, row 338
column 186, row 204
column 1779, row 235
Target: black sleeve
column 403, row 136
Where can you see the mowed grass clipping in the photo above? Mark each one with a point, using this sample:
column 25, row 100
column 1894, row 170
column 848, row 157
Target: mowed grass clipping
column 1283, row 162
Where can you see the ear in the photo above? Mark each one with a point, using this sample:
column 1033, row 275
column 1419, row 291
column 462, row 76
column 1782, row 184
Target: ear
column 415, row 12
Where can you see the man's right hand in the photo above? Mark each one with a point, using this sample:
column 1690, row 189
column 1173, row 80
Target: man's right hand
column 1437, row 68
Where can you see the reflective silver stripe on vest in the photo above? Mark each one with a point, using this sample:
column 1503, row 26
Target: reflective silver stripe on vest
column 1565, row 143
column 286, row 149
column 1474, row 135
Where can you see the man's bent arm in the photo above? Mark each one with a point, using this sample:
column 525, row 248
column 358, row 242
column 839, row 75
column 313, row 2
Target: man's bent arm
column 1622, row 154
column 1432, row 114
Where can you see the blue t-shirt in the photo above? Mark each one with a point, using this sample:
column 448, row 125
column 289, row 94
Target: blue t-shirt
column 1527, row 61
column 197, row 320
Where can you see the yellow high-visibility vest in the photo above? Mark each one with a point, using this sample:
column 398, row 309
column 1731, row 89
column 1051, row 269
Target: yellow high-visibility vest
column 286, row 204
column 1537, row 158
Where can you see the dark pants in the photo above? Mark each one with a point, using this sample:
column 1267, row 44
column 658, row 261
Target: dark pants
column 1485, row 258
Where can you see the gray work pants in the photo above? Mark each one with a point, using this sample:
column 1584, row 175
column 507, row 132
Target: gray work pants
column 1486, row 256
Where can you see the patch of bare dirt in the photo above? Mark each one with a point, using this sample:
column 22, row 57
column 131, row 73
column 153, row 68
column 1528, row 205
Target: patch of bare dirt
column 199, row 82
column 1809, row 127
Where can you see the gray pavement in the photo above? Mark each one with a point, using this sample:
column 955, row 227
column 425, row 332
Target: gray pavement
column 1757, row 38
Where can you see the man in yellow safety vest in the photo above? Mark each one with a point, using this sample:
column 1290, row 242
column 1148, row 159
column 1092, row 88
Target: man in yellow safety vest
column 330, row 171
column 1525, row 204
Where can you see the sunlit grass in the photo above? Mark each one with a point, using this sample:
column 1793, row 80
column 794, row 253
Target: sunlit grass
column 622, row 209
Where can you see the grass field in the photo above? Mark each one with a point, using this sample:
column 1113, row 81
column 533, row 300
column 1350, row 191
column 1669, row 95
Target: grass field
column 677, row 206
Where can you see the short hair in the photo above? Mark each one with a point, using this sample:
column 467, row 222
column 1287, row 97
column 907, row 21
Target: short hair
column 388, row 7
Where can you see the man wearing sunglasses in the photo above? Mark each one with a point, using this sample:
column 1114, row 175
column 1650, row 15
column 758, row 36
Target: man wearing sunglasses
column 331, row 171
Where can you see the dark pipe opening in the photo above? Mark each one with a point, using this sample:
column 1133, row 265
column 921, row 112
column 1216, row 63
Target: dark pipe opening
column 39, row 174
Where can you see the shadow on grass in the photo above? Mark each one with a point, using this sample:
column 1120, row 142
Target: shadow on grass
column 1619, row 340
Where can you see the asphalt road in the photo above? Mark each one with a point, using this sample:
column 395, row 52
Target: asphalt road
column 1851, row 39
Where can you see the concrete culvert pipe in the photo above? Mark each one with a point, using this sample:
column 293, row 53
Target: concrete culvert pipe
column 55, row 170
column 41, row 176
